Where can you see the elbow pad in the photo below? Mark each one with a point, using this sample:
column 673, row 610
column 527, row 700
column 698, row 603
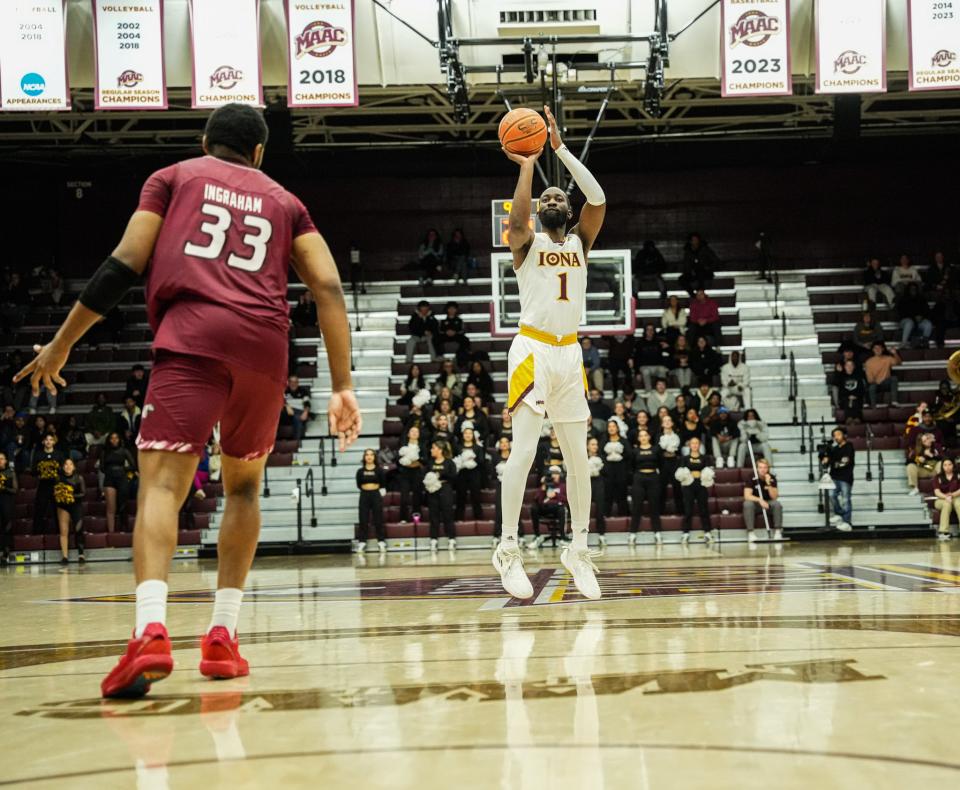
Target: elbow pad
column 108, row 286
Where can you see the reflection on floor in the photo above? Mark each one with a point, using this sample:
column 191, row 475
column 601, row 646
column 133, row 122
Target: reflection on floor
column 785, row 666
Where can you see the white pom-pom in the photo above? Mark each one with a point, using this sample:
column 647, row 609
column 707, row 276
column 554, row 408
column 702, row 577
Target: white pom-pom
column 409, row 455
column 500, row 467
column 422, row 398
column 595, row 464
column 684, row 476
column 468, row 459
column 431, row 482
column 614, row 451
column 670, row 442
column 707, row 477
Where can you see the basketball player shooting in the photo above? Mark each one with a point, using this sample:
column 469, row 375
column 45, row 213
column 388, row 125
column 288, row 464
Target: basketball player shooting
column 545, row 369
column 211, row 240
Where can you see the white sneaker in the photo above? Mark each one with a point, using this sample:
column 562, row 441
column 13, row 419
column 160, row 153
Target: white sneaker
column 751, row 538
column 685, row 538
column 835, row 519
column 632, row 538
column 708, row 537
column 843, row 526
column 719, row 462
column 452, row 544
column 494, row 542
column 579, row 564
column 658, row 538
column 360, row 547
column 944, row 536
column 778, row 534
column 603, row 540
column 912, row 491
column 382, row 545
column 509, row 564
column 434, row 543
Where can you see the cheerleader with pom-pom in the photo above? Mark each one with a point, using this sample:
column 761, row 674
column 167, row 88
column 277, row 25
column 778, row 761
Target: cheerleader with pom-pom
column 469, row 465
column 410, row 466
column 669, row 443
column 616, row 467
column 439, row 482
column 598, row 493
column 695, row 476
column 499, row 464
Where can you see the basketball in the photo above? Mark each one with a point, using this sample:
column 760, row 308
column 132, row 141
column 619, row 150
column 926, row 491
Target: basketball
column 522, row 131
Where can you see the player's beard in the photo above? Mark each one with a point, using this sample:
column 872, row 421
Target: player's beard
column 553, row 219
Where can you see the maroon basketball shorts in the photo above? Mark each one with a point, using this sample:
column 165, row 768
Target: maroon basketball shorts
column 188, row 395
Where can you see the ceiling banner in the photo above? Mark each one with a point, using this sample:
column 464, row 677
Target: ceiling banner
column 128, row 51
column 755, row 48
column 225, row 37
column 33, row 56
column 851, row 46
column 323, row 64
column 934, row 44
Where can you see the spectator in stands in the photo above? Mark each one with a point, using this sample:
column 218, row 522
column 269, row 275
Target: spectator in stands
column 14, row 303
column 658, row 397
column 304, row 315
column 499, row 464
column 591, row 363
column 834, row 379
column 711, row 410
column 430, row 257
column 923, row 460
column 946, row 310
column 705, row 361
column 37, row 430
column 652, row 358
column 681, row 372
column 439, row 482
column 600, row 412
column 129, row 421
column 691, row 428
column 838, row 459
column 202, row 476
column 423, row 328
column 22, row 452
column 735, row 383
column 471, row 391
column 695, row 476
column 548, row 451
column 8, row 431
column 477, row 419
column 296, row 407
column 725, row 438
column 851, row 392
column 763, row 493
column 914, row 314
column 117, row 466
column 598, row 490
column 753, row 431
column 471, row 473
column 946, row 395
column 412, row 384
column 101, row 420
column 646, row 485
column 947, row 493
column 448, row 377
column 866, row 332
column 441, row 429
column 480, row 379
column 648, row 267
column 939, row 277
column 8, row 498
column 68, row 493
column 705, row 318
column 458, row 256
column 680, row 407
column 17, row 394
column 452, row 336
column 617, row 469
column 549, row 502
column 926, row 425
column 878, row 370
column 215, row 460
column 904, row 274
column 370, row 480
column 46, row 469
column 137, row 384
column 877, row 281
column 674, row 319
column 620, row 361
column 699, row 265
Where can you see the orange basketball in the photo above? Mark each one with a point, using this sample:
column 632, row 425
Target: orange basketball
column 522, row 131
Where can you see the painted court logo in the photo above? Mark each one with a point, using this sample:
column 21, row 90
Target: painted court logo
column 129, row 79
column 319, row 39
column 943, row 58
column 849, row 62
column 754, row 29
column 225, row 77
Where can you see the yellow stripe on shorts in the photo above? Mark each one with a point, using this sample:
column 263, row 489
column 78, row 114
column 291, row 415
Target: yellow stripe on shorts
column 521, row 382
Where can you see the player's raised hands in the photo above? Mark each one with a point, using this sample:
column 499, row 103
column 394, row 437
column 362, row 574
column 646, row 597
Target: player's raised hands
column 343, row 412
column 555, row 140
column 45, row 368
column 520, row 159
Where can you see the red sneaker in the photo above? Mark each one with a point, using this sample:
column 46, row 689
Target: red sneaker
column 146, row 661
column 220, row 657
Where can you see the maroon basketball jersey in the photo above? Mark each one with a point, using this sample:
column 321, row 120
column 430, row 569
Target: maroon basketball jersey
column 217, row 283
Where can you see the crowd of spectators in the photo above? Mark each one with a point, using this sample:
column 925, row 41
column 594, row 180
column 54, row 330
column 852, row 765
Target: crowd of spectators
column 437, row 259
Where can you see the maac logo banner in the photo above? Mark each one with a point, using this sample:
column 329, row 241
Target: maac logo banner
column 226, row 52
column 129, row 55
column 851, row 46
column 323, row 70
column 755, row 47
column 33, row 56
column 934, row 44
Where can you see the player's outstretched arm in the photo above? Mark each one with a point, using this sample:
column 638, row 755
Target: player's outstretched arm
column 116, row 275
column 315, row 265
column 519, row 234
column 595, row 209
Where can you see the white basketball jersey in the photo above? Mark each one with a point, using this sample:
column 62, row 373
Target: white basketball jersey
column 553, row 285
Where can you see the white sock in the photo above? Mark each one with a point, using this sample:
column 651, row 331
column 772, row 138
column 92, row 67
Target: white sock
column 226, row 609
column 151, row 605
column 526, row 435
column 573, row 444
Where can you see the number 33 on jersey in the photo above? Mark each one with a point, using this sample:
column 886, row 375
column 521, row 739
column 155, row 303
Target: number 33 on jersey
column 553, row 285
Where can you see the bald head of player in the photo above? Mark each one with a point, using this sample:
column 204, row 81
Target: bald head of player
column 554, row 210
column 236, row 132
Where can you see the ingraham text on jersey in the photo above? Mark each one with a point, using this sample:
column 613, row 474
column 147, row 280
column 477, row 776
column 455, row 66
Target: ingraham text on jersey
column 233, row 199
column 568, row 259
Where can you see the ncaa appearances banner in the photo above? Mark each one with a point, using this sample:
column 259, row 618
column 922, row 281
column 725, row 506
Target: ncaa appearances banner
column 934, row 44
column 33, row 56
column 323, row 70
column 755, row 48
column 129, row 55
column 225, row 36
column 851, row 46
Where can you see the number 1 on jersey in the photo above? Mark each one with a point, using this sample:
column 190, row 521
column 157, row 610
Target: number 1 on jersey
column 563, row 287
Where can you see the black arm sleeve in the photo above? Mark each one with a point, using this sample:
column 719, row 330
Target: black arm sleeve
column 108, row 286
